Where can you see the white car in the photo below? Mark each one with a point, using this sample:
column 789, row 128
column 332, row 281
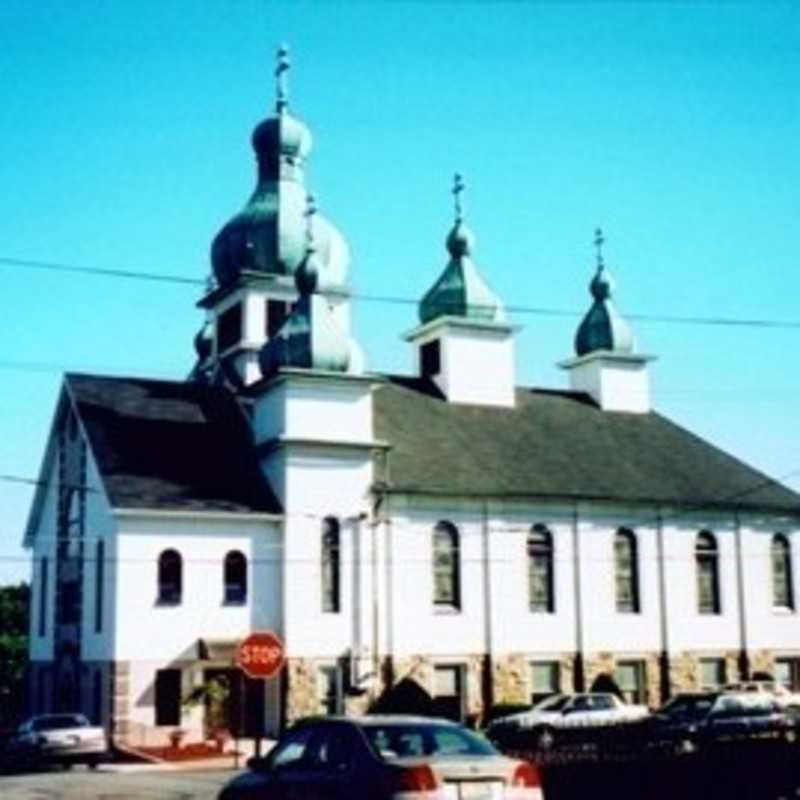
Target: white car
column 61, row 738
column 563, row 711
column 780, row 694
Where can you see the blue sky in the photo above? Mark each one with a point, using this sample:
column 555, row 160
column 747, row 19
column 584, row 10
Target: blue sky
column 124, row 143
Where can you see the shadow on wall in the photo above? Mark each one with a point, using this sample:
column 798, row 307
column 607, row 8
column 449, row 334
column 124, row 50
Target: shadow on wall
column 405, row 697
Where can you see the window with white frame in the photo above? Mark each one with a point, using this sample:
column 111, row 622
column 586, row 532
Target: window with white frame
column 782, row 587
column 706, row 555
column 713, row 674
column 446, row 567
column 448, row 691
column 540, row 570
column 626, row 572
column 787, row 673
column 331, row 566
column 545, row 679
column 235, row 578
column 631, row 677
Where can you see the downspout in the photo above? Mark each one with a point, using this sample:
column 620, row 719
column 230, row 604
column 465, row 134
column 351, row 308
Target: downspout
column 488, row 657
column 744, row 659
column 664, row 676
column 579, row 681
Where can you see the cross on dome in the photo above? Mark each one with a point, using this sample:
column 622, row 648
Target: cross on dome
column 281, row 68
column 458, row 190
column 599, row 241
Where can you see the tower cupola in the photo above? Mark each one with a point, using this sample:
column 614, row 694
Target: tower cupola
column 464, row 343
column 607, row 366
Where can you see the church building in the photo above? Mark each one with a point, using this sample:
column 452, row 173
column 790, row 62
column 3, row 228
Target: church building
column 492, row 542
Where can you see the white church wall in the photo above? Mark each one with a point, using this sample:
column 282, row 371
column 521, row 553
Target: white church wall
column 319, row 484
column 203, row 541
column 100, row 526
column 298, row 407
column 477, row 366
column 44, row 547
column 769, row 627
column 514, row 627
column 688, row 629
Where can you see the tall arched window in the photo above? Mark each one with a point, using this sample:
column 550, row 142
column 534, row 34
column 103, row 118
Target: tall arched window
column 706, row 557
column 782, row 586
column 170, row 577
column 446, row 567
column 626, row 571
column 331, row 565
column 235, row 578
column 540, row 570
column 99, row 588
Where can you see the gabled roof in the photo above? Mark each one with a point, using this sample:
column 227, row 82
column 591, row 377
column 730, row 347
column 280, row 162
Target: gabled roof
column 558, row 445
column 171, row 445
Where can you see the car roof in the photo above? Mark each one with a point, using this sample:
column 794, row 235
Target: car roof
column 369, row 720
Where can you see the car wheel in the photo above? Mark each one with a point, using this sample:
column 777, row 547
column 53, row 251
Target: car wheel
column 92, row 763
column 66, row 766
column 545, row 738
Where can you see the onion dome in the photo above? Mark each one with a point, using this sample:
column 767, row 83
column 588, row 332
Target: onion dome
column 603, row 328
column 267, row 236
column 460, row 290
column 310, row 338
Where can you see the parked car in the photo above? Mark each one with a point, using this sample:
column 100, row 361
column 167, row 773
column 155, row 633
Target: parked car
column 566, row 711
column 693, row 720
column 782, row 696
column 64, row 739
column 390, row 757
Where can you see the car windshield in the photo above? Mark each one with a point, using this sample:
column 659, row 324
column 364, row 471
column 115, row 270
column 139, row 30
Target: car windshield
column 555, row 703
column 57, row 721
column 402, row 740
column 689, row 705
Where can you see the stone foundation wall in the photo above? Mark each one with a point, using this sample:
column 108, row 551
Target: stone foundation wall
column 120, row 695
column 605, row 663
column 762, row 661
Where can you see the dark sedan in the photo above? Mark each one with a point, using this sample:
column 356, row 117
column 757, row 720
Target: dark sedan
column 692, row 720
column 384, row 758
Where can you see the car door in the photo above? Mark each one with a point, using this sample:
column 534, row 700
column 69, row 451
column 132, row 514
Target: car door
column 336, row 773
column 291, row 765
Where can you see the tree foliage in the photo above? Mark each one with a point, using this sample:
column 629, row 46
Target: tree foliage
column 14, row 610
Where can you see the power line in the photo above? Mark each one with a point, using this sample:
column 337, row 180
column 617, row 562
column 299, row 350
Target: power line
column 395, row 300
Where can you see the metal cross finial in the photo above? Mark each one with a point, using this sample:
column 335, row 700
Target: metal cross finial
column 458, row 189
column 281, row 68
column 311, row 210
column 599, row 240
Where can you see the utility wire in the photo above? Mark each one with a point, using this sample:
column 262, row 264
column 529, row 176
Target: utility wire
column 394, row 300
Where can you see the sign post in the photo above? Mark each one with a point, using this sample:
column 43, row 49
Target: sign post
column 260, row 656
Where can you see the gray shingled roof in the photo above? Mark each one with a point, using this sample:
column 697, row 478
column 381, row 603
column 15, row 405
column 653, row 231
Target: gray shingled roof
column 560, row 445
column 182, row 446
column 171, row 445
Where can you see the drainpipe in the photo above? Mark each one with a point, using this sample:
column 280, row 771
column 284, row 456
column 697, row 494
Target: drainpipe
column 744, row 659
column 664, row 677
column 488, row 622
column 579, row 680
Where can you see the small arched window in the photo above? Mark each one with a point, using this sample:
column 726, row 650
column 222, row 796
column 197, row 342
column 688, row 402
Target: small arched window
column 235, row 578
column 626, row 571
column 706, row 556
column 540, row 570
column 446, row 567
column 170, row 577
column 782, row 586
column 331, row 566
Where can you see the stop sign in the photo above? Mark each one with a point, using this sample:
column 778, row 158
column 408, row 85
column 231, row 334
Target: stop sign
column 260, row 655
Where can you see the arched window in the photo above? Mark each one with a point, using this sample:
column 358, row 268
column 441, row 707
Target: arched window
column 331, row 566
column 706, row 557
column 782, row 587
column 626, row 571
column 170, row 577
column 446, row 567
column 235, row 578
column 540, row 570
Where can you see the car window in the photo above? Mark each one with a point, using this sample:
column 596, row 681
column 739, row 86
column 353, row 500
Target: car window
column 401, row 741
column 293, row 748
column 59, row 721
column 552, row 703
column 333, row 748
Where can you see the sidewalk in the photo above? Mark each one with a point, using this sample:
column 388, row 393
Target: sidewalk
column 246, row 749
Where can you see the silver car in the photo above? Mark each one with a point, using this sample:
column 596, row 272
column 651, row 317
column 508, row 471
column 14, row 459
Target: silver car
column 384, row 758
